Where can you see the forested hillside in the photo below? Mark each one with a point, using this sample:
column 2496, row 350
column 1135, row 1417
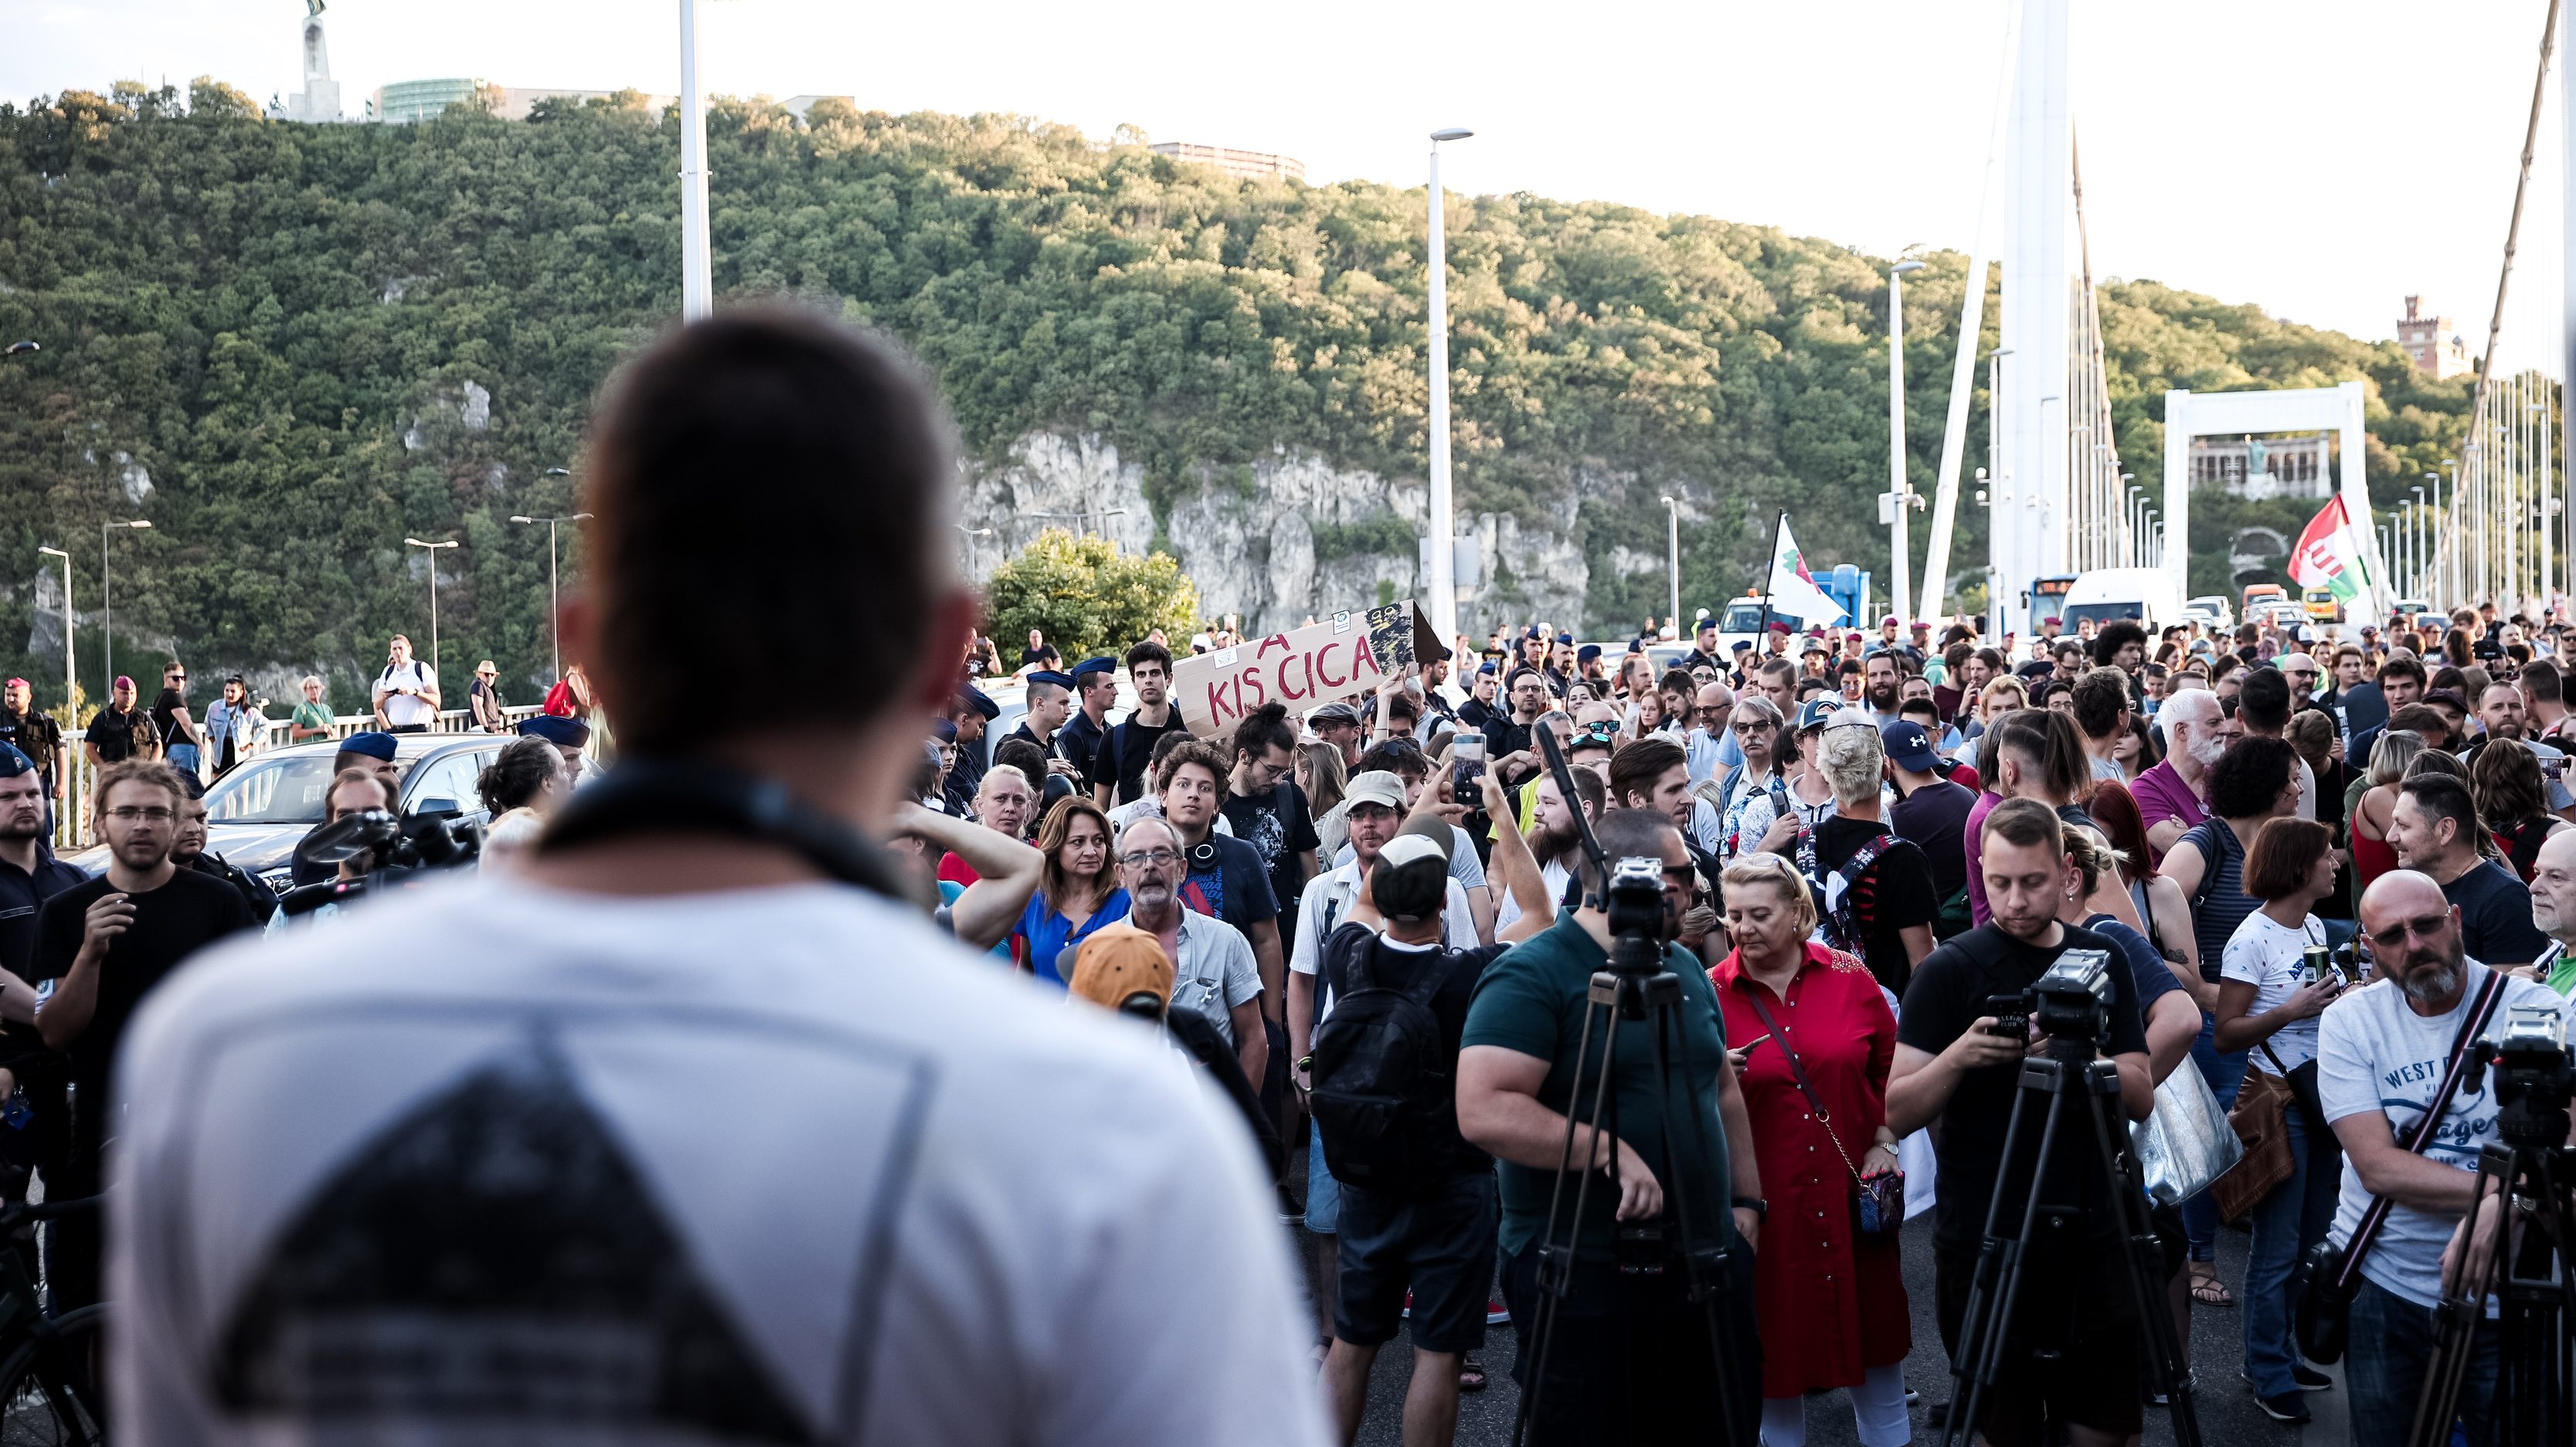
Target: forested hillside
column 290, row 347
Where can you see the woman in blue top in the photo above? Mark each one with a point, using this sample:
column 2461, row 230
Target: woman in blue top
column 1077, row 890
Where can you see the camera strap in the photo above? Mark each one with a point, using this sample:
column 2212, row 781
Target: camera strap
column 2480, row 1011
column 654, row 796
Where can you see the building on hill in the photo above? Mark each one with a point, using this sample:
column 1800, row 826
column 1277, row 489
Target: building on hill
column 320, row 98
column 2257, row 468
column 408, row 102
column 2439, row 352
column 1241, row 165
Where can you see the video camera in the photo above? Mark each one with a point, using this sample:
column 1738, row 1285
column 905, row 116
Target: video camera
column 2535, row 1076
column 401, row 848
column 1633, row 898
column 2071, row 1001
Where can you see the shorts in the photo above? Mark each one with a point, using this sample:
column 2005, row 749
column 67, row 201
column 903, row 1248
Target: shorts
column 1440, row 1244
column 1323, row 1193
column 2082, row 1307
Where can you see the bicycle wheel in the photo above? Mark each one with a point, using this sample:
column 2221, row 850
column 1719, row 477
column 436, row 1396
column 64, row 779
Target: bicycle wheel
column 47, row 1398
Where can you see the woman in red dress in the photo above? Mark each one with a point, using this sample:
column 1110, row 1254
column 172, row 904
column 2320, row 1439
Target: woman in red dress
column 1831, row 1301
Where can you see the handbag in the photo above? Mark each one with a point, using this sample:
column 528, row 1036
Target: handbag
column 2186, row 1143
column 1877, row 1202
column 2261, row 1122
column 2329, row 1276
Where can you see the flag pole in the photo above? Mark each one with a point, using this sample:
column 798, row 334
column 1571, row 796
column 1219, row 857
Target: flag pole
column 1761, row 650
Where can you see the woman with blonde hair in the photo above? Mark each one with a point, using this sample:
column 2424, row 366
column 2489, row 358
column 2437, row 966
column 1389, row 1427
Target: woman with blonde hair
column 1321, row 775
column 1815, row 1085
column 2372, row 854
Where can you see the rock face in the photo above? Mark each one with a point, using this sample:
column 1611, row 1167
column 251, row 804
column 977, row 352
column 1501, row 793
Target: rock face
column 1273, row 542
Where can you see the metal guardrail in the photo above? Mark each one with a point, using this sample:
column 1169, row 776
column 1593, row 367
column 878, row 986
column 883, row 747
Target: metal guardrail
column 72, row 818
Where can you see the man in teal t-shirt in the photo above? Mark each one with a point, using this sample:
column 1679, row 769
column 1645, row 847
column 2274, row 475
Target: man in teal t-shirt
column 1630, row 1357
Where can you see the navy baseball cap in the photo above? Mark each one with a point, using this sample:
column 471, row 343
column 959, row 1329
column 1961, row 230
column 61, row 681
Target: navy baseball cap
column 1816, row 712
column 563, row 733
column 379, row 746
column 1910, row 747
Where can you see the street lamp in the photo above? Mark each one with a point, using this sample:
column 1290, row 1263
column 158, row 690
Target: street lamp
column 433, row 593
column 2416, row 552
column 1899, row 547
column 1673, row 515
column 107, row 599
column 2132, row 515
column 1442, row 582
column 961, row 527
column 71, row 689
column 554, row 591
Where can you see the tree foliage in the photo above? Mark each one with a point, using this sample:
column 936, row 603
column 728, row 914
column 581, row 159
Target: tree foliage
column 282, row 331
column 1088, row 597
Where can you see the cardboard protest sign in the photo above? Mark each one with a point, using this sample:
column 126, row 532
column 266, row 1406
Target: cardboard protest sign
column 1346, row 654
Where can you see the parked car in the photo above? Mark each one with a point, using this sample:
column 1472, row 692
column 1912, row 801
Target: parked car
column 256, row 814
column 2220, row 613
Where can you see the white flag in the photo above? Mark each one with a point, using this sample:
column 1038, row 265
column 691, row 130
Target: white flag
column 1793, row 589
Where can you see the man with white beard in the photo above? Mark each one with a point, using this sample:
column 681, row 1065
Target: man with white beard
column 2173, row 797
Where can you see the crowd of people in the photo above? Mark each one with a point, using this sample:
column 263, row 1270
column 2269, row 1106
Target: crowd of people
column 708, row 1065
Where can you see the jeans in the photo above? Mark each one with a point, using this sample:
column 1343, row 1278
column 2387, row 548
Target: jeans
column 183, row 757
column 2224, row 1073
column 1323, row 1193
column 2291, row 1219
column 2392, row 1343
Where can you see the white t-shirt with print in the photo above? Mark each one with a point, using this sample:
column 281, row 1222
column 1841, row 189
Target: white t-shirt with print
column 754, row 1165
column 2268, row 955
column 2376, row 1054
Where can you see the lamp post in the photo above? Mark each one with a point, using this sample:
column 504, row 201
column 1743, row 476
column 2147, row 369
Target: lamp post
column 1899, row 547
column 71, row 689
column 2147, row 520
column 1673, row 516
column 2416, row 549
column 433, row 593
column 554, row 590
column 2437, row 554
column 107, row 599
column 697, row 287
column 1442, row 582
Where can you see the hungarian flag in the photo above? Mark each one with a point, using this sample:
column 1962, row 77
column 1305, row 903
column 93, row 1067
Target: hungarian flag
column 2329, row 554
column 1793, row 589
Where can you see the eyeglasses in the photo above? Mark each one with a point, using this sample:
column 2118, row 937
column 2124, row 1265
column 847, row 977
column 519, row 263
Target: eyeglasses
column 130, row 814
column 2427, row 928
column 1139, row 858
column 1749, row 727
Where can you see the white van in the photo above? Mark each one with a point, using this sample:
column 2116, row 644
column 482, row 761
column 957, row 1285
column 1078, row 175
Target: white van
column 2145, row 594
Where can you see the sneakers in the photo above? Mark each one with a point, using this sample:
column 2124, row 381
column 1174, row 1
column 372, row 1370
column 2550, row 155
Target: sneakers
column 1496, row 1314
column 2309, row 1378
column 2287, row 1407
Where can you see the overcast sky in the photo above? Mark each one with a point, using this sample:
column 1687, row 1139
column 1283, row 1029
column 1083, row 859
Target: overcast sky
column 2319, row 159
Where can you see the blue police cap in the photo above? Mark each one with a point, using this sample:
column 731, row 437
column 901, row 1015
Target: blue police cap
column 377, row 746
column 1102, row 664
column 943, row 730
column 980, row 701
column 563, row 733
column 1049, row 675
column 1587, row 653
column 14, row 763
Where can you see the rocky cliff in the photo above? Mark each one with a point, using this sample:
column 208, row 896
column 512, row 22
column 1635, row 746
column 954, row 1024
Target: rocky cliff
column 1274, row 542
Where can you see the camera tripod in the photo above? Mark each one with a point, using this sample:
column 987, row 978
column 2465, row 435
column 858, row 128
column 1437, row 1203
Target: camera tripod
column 1636, row 986
column 2067, row 1077
column 2535, row 1392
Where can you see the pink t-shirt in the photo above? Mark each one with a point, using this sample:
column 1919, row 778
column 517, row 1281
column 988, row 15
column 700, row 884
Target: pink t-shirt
column 1975, row 835
column 2162, row 795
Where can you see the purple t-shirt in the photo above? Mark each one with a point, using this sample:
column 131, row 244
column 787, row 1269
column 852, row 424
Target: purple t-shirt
column 1976, row 842
column 2162, row 795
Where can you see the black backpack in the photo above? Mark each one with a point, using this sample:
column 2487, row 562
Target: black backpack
column 1382, row 1079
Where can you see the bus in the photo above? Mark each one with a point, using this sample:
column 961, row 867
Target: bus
column 2048, row 598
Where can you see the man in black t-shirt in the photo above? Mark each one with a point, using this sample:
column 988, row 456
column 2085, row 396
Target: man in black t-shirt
column 1881, row 910
column 1040, row 654
column 1931, row 811
column 1430, row 1248
column 1118, row 768
column 119, row 731
column 1950, row 1066
column 101, row 947
column 1265, row 808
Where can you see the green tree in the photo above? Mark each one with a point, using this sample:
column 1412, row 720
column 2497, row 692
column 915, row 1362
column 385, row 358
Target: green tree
column 1087, row 596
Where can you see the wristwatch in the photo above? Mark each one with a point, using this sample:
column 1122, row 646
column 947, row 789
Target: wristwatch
column 1760, row 1208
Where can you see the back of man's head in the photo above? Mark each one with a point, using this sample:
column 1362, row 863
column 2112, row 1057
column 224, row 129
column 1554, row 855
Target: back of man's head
column 1625, row 834
column 2248, row 780
column 706, row 441
column 2541, row 680
column 2263, row 701
column 2101, row 701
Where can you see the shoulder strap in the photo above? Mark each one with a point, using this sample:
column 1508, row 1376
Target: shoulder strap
column 2480, row 1011
column 1798, row 1068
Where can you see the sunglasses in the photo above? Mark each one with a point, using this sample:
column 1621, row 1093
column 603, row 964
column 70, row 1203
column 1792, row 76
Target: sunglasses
column 2427, row 928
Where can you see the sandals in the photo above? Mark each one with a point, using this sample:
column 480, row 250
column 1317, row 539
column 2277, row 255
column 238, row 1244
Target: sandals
column 1471, row 1376
column 2206, row 1288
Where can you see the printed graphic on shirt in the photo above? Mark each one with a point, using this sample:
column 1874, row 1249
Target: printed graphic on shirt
column 2464, row 1130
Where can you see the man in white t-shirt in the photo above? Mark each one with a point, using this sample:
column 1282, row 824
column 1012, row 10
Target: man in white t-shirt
column 2382, row 1051
column 700, row 1143
column 406, row 693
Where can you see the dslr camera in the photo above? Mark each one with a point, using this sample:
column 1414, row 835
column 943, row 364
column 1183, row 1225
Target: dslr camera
column 2071, row 1001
